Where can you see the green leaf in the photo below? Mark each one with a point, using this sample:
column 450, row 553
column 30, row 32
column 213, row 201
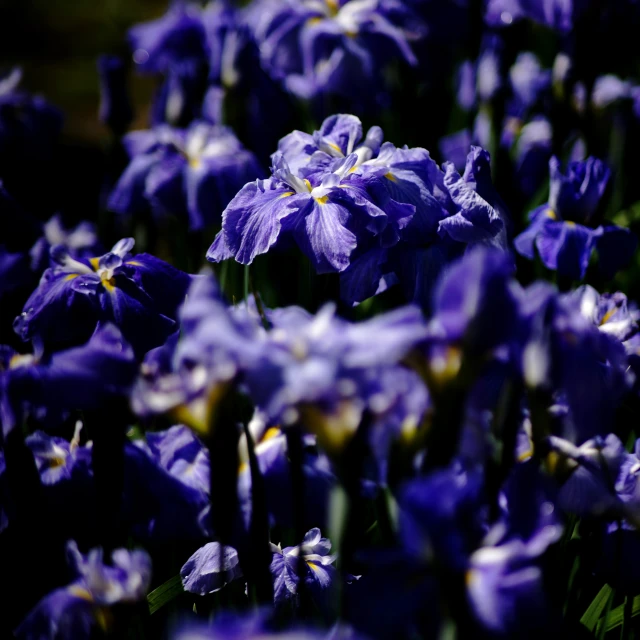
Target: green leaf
column 616, row 616
column 601, row 629
column 165, row 593
column 593, row 613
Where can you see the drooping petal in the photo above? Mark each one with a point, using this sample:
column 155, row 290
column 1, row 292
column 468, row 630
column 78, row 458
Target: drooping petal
column 210, row 568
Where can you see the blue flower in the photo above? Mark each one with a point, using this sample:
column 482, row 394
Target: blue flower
column 565, row 230
column 475, row 303
column 270, row 447
column 139, row 294
column 504, row 578
column 57, row 459
column 338, row 137
column 81, row 378
column 325, row 214
column 528, row 80
column 177, row 36
column 210, row 568
column 166, row 487
column 442, row 516
column 192, row 173
column 562, row 351
column 610, row 312
column 477, row 219
column 556, row 14
column 81, row 609
column 596, row 468
column 317, row 571
column 332, row 46
column 218, row 346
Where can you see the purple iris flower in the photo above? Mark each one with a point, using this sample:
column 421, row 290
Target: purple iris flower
column 176, row 36
column 321, row 367
column 556, row 14
column 190, row 172
column 327, row 215
column 595, row 467
column 80, row 241
column 442, row 516
column 338, row 137
column 478, row 218
column 528, row 79
column 330, row 372
column 210, row 568
column 334, row 46
column 317, row 571
column 405, row 183
column 475, row 303
column 410, row 179
column 181, row 454
column 218, row 346
column 566, row 230
column 562, row 351
column 57, row 459
column 609, row 89
column 139, row 294
column 610, row 312
column 175, row 45
column 531, row 143
column 272, row 454
column 80, row 609
column 80, row 378
column 504, row 577
column 166, row 487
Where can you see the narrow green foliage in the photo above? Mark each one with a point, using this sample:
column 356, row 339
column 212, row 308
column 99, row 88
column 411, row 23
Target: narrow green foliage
column 593, row 613
column 166, row 592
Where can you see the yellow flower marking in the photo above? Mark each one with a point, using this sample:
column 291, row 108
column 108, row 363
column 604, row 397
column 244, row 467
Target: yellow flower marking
column 333, row 6
column 80, row 592
column 525, row 455
column 390, row 176
column 270, row 433
column 313, row 566
column 322, row 200
column 607, row 316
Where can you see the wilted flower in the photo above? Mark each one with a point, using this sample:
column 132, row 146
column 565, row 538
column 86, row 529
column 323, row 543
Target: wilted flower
column 210, row 568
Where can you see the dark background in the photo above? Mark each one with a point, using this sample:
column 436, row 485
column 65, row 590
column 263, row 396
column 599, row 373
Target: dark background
column 57, row 44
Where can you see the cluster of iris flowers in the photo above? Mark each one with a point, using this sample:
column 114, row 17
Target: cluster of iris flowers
column 396, row 397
